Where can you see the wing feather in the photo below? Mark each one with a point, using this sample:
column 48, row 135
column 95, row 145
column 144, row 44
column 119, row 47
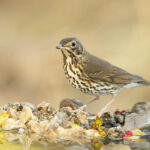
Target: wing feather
column 101, row 70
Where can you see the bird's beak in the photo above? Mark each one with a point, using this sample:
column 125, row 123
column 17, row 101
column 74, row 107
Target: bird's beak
column 59, row 46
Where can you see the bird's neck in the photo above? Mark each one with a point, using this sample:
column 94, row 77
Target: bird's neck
column 70, row 60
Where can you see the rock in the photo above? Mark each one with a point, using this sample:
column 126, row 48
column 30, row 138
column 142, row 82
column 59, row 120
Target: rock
column 67, row 124
column 108, row 120
column 44, row 105
column 12, row 113
column 109, row 123
column 73, row 103
column 38, row 127
column 75, row 118
column 90, row 134
column 76, row 133
column 26, row 115
column 18, row 106
column 58, row 119
column 85, row 126
column 67, row 110
column 134, row 121
column 13, row 124
column 44, row 111
column 119, row 118
column 69, row 133
column 115, row 132
column 82, row 119
column 141, row 108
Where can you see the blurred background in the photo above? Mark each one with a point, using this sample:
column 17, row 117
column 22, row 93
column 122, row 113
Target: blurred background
column 31, row 67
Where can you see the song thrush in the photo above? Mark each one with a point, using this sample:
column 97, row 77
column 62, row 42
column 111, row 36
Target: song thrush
column 93, row 75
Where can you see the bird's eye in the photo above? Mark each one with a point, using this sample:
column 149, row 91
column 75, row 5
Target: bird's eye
column 73, row 44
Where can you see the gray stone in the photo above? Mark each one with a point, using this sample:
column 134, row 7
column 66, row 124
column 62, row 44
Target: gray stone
column 134, row 120
column 115, row 132
column 73, row 103
column 58, row 118
column 141, row 108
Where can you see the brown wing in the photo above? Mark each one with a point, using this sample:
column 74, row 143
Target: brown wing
column 101, row 70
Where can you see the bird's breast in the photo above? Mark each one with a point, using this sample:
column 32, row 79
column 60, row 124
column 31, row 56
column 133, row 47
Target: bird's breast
column 72, row 73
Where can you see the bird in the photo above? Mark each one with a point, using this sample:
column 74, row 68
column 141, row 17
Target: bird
column 93, row 75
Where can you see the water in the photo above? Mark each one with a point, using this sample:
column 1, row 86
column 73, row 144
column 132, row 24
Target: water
column 37, row 146
column 34, row 146
column 15, row 141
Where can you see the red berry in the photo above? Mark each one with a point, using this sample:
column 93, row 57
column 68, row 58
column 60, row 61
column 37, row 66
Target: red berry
column 123, row 111
column 117, row 111
column 124, row 135
column 129, row 133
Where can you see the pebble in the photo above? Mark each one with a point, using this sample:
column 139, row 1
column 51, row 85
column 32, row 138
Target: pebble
column 134, row 121
column 119, row 118
column 141, row 108
column 58, row 118
column 44, row 111
column 73, row 103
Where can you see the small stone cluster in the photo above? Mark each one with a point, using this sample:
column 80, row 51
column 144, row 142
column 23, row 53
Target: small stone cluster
column 46, row 124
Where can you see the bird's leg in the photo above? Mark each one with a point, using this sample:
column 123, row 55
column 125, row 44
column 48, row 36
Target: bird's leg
column 94, row 99
column 108, row 104
column 85, row 105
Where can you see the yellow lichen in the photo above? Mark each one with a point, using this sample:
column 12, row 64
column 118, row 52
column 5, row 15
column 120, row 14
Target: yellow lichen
column 96, row 124
column 75, row 125
column 3, row 118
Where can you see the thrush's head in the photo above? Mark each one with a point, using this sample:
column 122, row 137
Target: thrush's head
column 71, row 47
